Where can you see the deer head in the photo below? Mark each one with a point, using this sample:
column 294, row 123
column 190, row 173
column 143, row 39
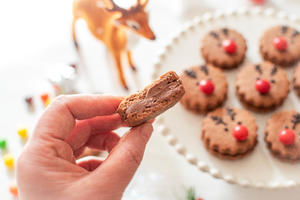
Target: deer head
column 135, row 18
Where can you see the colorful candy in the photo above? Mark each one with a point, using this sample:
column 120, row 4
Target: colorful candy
column 13, row 190
column 47, row 102
column 29, row 100
column 240, row 132
column 258, row 2
column 2, row 144
column 23, row 133
column 287, row 137
column 262, row 86
column 280, row 43
column 8, row 160
column 44, row 97
column 207, row 87
column 229, row 46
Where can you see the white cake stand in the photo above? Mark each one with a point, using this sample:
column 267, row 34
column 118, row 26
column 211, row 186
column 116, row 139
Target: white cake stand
column 183, row 128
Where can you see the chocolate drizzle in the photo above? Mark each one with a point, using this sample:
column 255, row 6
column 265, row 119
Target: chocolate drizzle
column 258, row 69
column 295, row 120
column 296, row 33
column 225, row 31
column 231, row 113
column 218, row 120
column 274, row 70
column 214, row 34
column 204, row 69
column 284, row 29
column 190, row 73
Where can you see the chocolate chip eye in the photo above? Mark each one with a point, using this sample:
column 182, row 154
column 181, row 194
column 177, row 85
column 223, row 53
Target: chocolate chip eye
column 286, row 127
column 190, row 73
column 239, row 123
column 226, row 129
column 257, row 78
column 273, row 81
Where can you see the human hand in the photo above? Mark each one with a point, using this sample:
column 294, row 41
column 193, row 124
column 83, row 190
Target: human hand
column 47, row 167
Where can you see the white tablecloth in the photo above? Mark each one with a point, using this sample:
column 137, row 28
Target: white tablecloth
column 36, row 33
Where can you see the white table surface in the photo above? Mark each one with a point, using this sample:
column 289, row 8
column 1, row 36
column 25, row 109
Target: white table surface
column 36, row 33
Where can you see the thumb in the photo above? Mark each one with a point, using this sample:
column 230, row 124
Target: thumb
column 126, row 157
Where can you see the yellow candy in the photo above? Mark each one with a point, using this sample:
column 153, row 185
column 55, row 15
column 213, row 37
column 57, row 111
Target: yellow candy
column 8, row 160
column 23, row 133
column 47, row 102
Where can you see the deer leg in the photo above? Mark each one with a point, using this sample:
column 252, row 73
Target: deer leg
column 75, row 42
column 130, row 62
column 118, row 61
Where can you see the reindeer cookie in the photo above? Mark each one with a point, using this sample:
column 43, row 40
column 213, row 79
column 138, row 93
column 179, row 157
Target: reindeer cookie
column 282, row 135
column 262, row 86
column 205, row 88
column 229, row 133
column 280, row 45
column 224, row 48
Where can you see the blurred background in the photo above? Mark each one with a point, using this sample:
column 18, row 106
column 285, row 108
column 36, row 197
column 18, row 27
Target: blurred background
column 35, row 40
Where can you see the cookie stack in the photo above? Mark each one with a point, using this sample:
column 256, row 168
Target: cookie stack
column 231, row 133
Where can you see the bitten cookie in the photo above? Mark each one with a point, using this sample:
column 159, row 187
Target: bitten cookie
column 262, row 86
column 282, row 135
column 229, row 133
column 280, row 45
column 205, row 88
column 156, row 98
column 225, row 48
column 296, row 79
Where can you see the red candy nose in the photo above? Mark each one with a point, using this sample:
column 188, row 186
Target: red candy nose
column 207, row 87
column 229, row 46
column 287, row 137
column 262, row 86
column 280, row 43
column 240, row 132
column 258, row 2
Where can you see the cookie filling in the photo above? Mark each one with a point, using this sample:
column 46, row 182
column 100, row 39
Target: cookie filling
column 155, row 95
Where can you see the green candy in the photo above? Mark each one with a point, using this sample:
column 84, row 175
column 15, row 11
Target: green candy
column 2, row 144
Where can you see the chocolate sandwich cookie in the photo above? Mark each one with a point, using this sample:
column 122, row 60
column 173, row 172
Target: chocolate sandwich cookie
column 296, row 79
column 282, row 135
column 229, row 133
column 263, row 86
column 205, row 88
column 153, row 100
column 225, row 48
column 280, row 45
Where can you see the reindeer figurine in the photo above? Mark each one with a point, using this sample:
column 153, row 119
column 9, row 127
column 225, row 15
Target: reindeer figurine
column 107, row 22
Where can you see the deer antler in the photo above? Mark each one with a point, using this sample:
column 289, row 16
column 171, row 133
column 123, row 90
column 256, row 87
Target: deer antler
column 115, row 7
column 231, row 113
column 142, row 3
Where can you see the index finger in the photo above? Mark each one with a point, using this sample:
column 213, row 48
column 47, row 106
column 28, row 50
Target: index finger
column 60, row 117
